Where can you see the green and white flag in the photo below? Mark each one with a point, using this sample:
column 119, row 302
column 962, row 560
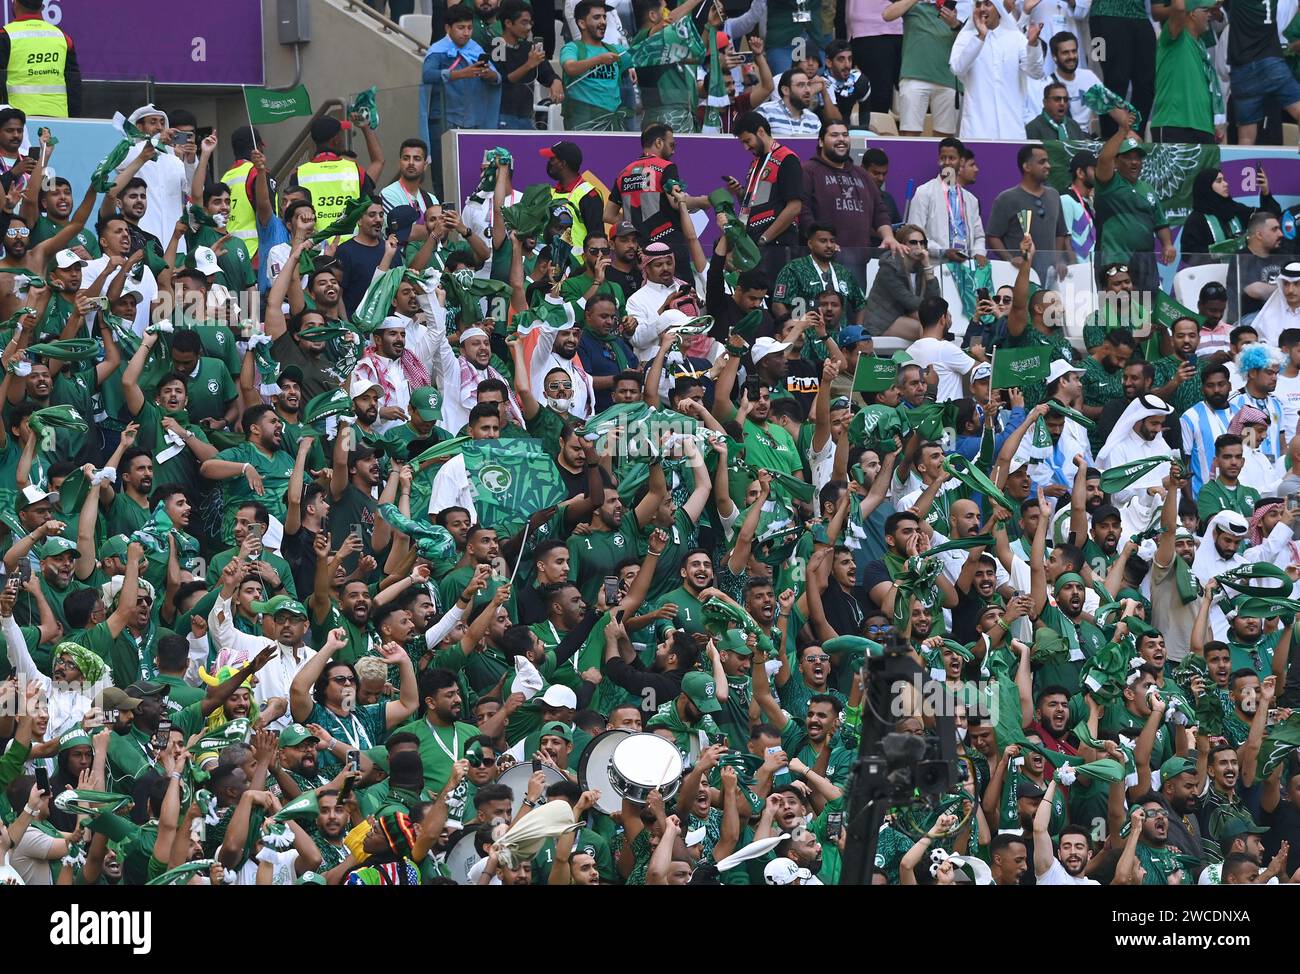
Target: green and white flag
column 1020, row 366
column 511, row 479
column 715, row 97
column 674, row 44
column 265, row 107
column 1280, row 744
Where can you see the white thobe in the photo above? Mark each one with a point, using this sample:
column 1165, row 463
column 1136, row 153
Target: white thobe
column 995, row 70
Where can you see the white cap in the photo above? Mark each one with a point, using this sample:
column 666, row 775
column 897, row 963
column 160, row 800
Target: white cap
column 558, row 695
column 205, row 261
column 393, row 323
column 981, row 372
column 1059, row 368
column 67, row 258
column 360, row 385
column 783, row 872
column 31, row 494
column 763, row 347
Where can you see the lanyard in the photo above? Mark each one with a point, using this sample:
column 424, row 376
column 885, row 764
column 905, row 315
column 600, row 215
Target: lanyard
column 756, row 177
column 355, row 735
column 830, row 271
column 455, row 742
column 961, row 209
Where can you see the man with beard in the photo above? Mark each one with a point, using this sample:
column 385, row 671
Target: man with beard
column 593, row 281
column 1137, row 436
column 564, row 159
column 283, row 619
column 838, row 192
column 353, row 505
column 351, row 613
column 128, row 634
column 383, row 365
column 482, row 548
column 843, row 602
column 258, row 469
column 288, row 404
column 625, row 259
column 604, row 353
column 1178, row 781
column 562, row 604
column 1073, row 849
column 697, row 578
column 1076, row 203
column 1052, row 719
column 1104, row 379
column 675, row 657
column 58, row 559
column 442, row 735
column 1064, row 615
column 459, row 376
column 129, row 509
column 1204, row 423
column 772, row 195
column 639, row 196
column 663, row 292
column 556, row 350
column 55, row 206
column 810, row 730
column 295, row 767
column 1178, row 375
column 296, row 341
column 1220, row 801
column 1225, row 492
column 177, row 445
column 22, row 252
column 251, row 524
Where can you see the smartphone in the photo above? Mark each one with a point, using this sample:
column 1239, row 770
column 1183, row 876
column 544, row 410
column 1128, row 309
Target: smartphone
column 42, row 780
column 773, row 749
column 163, row 734
column 611, row 589
column 182, row 138
column 357, row 533
column 24, row 571
column 110, row 718
column 101, row 303
column 834, row 824
column 982, row 294
column 482, row 58
column 746, row 58
column 751, row 389
column 1272, row 716
column 354, row 760
column 537, row 764
column 1293, row 502
column 346, row 790
column 34, row 152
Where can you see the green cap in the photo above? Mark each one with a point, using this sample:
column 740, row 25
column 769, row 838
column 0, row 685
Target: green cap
column 74, row 738
column 701, row 691
column 1131, row 145
column 1175, row 766
column 310, row 878
column 378, row 757
column 281, row 603
column 556, row 728
column 734, row 641
column 1237, row 826
column 295, row 734
column 114, row 547
column 427, row 403
column 54, row 546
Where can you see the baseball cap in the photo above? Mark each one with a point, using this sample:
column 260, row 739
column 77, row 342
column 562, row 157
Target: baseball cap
column 587, row 6
column 76, row 737
column 114, row 547
column 361, row 453
column 360, row 385
column 1236, row 827
column 280, row 603
column 67, row 258
column 1059, row 368
column 850, row 335
column 764, row 347
column 1082, row 160
column 147, row 688
column 734, row 641
column 556, row 728
column 568, row 152
column 113, row 698
column 625, row 229
column 205, row 261
column 54, row 546
column 400, row 221
column 558, row 695
column 31, row 494
column 783, row 872
column 326, row 127
column 701, row 691
column 1175, row 766
column 1104, row 511
column 427, row 403
column 981, row 372
column 291, row 372
column 1131, row 145
column 1028, row 788
column 295, row 734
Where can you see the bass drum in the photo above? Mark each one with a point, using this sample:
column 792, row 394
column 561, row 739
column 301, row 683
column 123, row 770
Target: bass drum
column 593, row 769
column 462, row 855
column 516, row 779
column 643, row 763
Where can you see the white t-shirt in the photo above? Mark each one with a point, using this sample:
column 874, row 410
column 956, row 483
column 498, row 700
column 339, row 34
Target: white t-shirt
column 1057, row 876
column 1288, row 390
column 477, row 215
column 948, row 361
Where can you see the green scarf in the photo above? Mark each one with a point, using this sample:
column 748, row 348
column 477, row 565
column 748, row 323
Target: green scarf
column 1069, row 413
column 610, row 342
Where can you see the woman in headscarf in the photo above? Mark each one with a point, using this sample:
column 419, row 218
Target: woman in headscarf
column 1215, row 217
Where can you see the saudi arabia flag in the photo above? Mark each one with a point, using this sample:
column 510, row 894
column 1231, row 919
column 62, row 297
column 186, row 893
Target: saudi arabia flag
column 511, row 479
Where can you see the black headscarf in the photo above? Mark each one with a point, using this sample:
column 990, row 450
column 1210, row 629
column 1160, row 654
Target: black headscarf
column 1205, row 200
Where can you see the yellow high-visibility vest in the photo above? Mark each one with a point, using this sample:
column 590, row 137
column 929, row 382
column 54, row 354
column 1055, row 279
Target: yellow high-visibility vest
column 333, row 184
column 38, row 56
column 242, row 222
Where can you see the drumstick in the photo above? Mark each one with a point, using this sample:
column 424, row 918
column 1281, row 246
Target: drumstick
column 520, row 560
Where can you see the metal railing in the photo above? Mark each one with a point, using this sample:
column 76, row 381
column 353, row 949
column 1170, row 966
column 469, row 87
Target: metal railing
column 388, row 26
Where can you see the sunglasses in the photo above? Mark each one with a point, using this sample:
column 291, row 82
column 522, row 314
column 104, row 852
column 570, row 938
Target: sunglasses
column 816, row 658
column 480, row 761
column 17, row 232
column 1117, row 269
column 920, row 242
column 1002, row 299
column 876, row 630
column 601, row 251
column 344, row 681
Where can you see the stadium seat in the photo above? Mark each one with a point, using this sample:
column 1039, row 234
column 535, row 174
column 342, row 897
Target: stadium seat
column 1189, row 281
column 1079, row 295
column 883, row 123
column 1004, row 273
column 419, row 25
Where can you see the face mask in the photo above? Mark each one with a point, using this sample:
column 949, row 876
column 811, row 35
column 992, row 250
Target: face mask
column 220, row 220
column 559, row 405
